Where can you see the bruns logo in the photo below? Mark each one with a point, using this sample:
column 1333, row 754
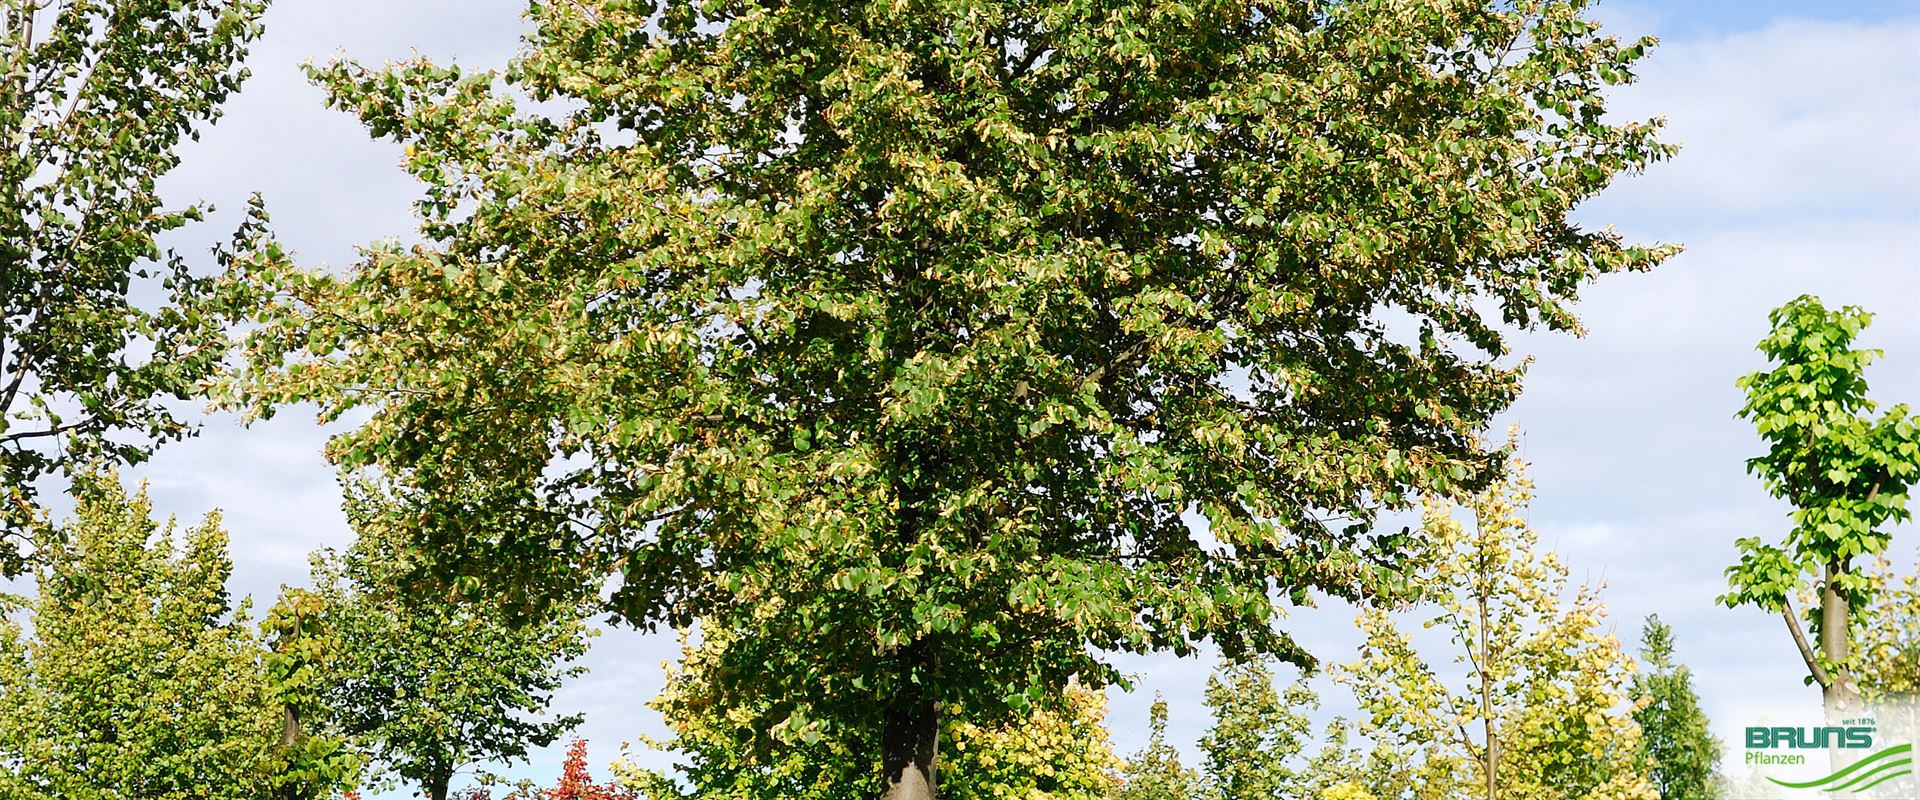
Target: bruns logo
column 1857, row 737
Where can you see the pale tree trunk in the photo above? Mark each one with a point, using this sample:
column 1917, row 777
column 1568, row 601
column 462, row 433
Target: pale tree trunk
column 1839, row 694
column 1486, row 709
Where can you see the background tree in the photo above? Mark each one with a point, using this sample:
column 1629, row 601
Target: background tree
column 1256, row 734
column 1059, row 751
column 1683, row 755
column 1886, row 633
column 1886, row 659
column 1156, row 773
column 1342, row 771
column 1754, row 786
column 1845, row 472
column 315, row 759
column 1538, row 713
column 99, row 327
column 576, row 780
column 139, row 679
column 427, row 684
column 906, row 338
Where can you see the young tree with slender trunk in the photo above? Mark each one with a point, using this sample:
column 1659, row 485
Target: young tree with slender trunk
column 99, row 328
column 1847, row 474
column 1541, row 711
column 910, row 339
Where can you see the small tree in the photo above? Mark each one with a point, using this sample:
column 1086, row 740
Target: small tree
column 1846, row 473
column 1683, row 756
column 95, row 98
column 576, row 780
column 1156, row 773
column 1256, row 733
column 1539, row 713
column 429, row 684
column 314, row 758
column 139, row 678
column 1886, row 634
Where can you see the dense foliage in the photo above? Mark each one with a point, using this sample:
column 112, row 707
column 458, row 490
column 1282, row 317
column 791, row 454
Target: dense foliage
column 98, row 326
column 427, row 684
column 1846, row 472
column 1058, row 751
column 136, row 677
column 906, row 338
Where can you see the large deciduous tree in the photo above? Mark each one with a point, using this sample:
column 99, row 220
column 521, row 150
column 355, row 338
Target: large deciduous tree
column 1847, row 474
column 1682, row 754
column 98, row 326
column 138, row 678
column 920, row 341
column 428, row 684
column 1541, row 711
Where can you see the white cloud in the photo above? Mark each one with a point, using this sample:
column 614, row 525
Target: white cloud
column 1797, row 121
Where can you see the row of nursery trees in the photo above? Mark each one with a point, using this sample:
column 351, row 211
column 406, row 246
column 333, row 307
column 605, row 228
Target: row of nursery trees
column 889, row 351
column 137, row 677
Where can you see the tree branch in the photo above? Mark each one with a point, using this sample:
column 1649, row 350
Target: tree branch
column 14, row 438
column 1819, row 673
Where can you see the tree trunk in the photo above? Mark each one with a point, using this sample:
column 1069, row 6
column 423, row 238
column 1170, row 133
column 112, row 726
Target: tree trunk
column 1486, row 705
column 1840, row 696
column 437, row 784
column 910, row 732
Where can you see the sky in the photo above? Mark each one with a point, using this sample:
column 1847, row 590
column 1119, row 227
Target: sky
column 1799, row 173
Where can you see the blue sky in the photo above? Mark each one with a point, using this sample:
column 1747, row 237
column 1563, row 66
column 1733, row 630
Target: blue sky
column 1800, row 173
column 1705, row 18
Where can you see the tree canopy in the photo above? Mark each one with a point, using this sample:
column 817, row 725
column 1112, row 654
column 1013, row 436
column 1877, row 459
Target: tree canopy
column 428, row 684
column 99, row 326
column 138, row 677
column 931, row 345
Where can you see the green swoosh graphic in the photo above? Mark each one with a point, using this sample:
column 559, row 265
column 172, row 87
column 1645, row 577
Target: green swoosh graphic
column 1895, row 764
column 1855, row 767
column 1884, row 780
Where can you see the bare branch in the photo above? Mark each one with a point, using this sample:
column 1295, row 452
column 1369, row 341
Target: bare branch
column 1819, row 673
